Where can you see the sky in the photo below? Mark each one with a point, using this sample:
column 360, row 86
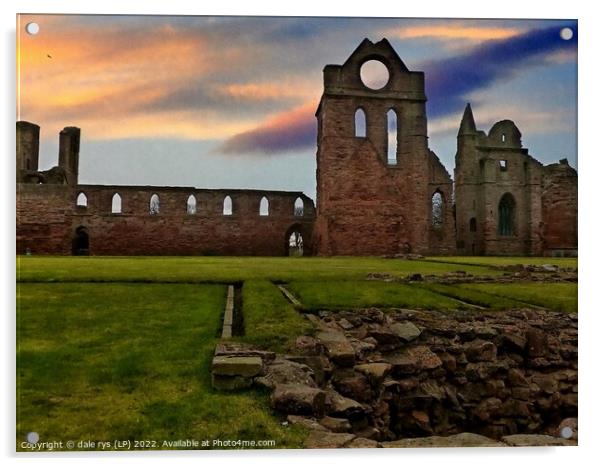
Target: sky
column 229, row 102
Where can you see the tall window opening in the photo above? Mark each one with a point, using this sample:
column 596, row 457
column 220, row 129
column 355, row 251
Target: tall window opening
column 116, row 204
column 437, row 209
column 191, row 205
column 299, row 207
column 506, row 215
column 227, row 206
column 82, row 200
column 360, row 123
column 391, row 137
column 154, row 205
column 264, row 207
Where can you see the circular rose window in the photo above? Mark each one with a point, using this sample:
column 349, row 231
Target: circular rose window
column 374, row 74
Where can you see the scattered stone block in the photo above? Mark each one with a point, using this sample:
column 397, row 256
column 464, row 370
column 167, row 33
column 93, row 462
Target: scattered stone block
column 535, row 440
column 338, row 348
column 298, row 399
column 407, row 331
column 328, row 440
column 244, row 366
column 335, row 424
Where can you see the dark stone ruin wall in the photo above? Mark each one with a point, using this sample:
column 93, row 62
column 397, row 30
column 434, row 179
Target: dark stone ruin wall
column 44, row 218
column 489, row 167
column 401, row 374
column 173, row 231
column 559, row 200
column 365, row 205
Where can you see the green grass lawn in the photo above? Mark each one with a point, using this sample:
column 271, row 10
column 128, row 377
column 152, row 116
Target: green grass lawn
column 505, row 260
column 473, row 296
column 120, row 348
column 555, row 296
column 357, row 294
column 224, row 269
column 129, row 361
column 270, row 321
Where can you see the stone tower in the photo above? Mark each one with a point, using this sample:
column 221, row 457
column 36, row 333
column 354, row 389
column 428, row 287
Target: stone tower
column 69, row 153
column 376, row 177
column 497, row 190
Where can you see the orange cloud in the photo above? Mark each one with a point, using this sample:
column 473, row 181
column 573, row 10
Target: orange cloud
column 453, row 31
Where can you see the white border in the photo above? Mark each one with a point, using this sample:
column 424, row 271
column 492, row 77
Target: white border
column 590, row 170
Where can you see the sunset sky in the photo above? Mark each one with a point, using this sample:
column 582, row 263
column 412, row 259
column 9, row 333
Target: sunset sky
column 229, row 101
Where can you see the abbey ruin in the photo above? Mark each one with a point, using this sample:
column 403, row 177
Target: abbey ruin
column 380, row 190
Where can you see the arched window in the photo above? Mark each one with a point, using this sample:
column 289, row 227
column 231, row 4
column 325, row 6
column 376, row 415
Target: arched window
column 391, row 137
column 437, row 209
column 264, row 207
column 506, row 214
column 360, row 123
column 227, row 205
column 154, row 206
column 116, row 204
column 472, row 224
column 299, row 207
column 191, row 205
column 82, row 200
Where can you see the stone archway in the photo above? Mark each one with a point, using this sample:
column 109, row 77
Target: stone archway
column 81, row 242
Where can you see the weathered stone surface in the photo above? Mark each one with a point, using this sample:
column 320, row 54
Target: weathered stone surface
column 307, row 422
column 283, row 371
column 234, row 348
column 480, row 350
column 298, row 399
column 339, row 405
column 425, row 358
column 244, row 366
column 335, row 424
column 338, row 347
column 376, row 371
column 430, row 387
column 328, row 440
column 459, row 440
column 407, row 331
column 229, row 382
column 361, row 442
column 534, row 440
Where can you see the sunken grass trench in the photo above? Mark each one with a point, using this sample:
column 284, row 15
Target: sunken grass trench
column 113, row 348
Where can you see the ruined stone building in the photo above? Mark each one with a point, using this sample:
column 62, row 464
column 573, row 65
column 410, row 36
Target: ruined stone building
column 380, row 189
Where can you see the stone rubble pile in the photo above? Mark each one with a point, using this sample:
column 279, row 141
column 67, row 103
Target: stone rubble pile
column 421, row 378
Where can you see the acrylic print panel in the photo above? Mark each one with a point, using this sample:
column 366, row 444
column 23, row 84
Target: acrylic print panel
column 295, row 232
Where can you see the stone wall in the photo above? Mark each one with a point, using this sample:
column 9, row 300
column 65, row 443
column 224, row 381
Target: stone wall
column 403, row 374
column 559, row 200
column 47, row 217
column 365, row 205
column 44, row 218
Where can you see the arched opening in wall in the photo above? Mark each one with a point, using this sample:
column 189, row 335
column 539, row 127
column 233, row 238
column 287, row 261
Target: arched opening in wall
column 437, row 210
column 154, row 205
column 299, row 208
column 82, row 200
column 191, row 205
column 392, row 137
column 116, row 204
column 227, row 210
column 506, row 215
column 472, row 225
column 294, row 243
column 360, row 123
column 81, row 242
column 264, row 207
